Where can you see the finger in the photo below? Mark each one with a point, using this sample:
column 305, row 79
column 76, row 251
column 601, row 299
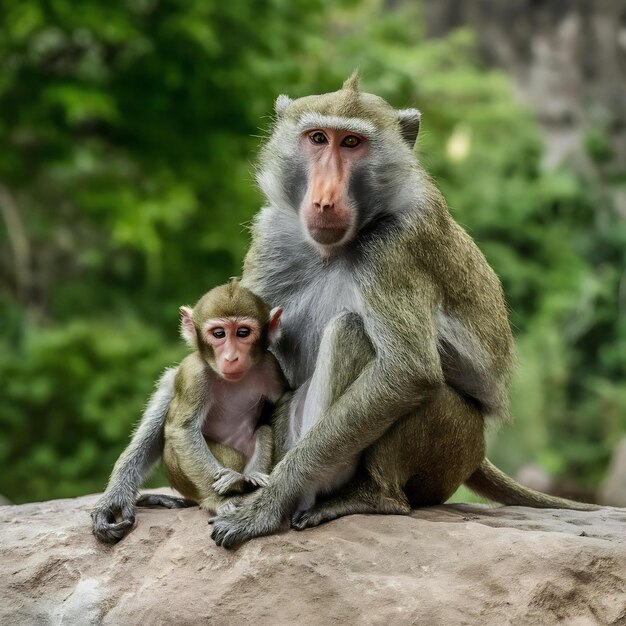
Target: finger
column 120, row 530
column 128, row 514
column 110, row 533
column 231, row 540
column 102, row 534
column 216, row 535
column 221, row 486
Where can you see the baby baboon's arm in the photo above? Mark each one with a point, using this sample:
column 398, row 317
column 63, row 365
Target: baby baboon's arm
column 187, row 455
column 131, row 469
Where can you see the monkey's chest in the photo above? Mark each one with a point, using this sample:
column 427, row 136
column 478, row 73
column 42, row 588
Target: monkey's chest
column 308, row 308
column 231, row 419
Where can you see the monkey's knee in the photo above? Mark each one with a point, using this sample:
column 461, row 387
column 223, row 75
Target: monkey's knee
column 344, row 352
column 346, row 332
column 450, row 446
column 176, row 476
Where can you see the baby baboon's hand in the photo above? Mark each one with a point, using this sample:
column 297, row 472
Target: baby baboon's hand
column 228, row 481
column 104, row 518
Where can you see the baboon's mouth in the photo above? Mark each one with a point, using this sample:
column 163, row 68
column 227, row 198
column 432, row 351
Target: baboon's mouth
column 327, row 236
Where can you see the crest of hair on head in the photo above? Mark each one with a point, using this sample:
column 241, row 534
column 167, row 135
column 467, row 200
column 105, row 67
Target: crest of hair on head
column 353, row 83
column 233, row 285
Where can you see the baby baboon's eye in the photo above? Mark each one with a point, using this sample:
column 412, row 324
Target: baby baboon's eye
column 218, row 333
column 244, row 331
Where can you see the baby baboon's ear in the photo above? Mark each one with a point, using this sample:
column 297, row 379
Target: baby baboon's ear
column 187, row 327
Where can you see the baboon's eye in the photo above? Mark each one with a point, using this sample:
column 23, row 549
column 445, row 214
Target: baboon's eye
column 218, row 333
column 318, row 137
column 244, row 331
column 351, row 141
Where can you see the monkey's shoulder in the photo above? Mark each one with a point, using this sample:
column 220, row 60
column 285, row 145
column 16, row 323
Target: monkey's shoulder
column 438, row 250
column 191, row 375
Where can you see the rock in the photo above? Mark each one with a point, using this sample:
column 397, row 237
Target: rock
column 613, row 489
column 4, row 501
column 454, row 564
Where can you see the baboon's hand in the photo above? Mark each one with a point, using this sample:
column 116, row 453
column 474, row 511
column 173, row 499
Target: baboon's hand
column 254, row 516
column 228, row 481
column 104, row 516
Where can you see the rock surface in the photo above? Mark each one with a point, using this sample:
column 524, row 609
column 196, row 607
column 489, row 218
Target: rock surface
column 454, row 564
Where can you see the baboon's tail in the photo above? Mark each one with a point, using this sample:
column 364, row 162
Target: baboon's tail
column 491, row 483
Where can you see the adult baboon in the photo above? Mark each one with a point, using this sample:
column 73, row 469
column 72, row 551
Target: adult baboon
column 395, row 331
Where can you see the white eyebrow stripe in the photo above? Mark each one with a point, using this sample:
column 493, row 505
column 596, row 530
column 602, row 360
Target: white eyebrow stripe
column 223, row 321
column 312, row 120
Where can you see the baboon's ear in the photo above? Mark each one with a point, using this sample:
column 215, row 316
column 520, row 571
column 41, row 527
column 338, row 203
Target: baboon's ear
column 282, row 102
column 409, row 120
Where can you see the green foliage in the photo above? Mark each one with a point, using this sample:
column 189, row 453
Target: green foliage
column 74, row 394
column 127, row 133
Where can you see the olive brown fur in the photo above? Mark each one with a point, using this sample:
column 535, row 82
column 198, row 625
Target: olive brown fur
column 205, row 470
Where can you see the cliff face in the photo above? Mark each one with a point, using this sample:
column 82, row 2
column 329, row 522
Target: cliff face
column 456, row 564
column 568, row 59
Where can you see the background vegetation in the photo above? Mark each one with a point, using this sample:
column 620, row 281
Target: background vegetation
column 127, row 133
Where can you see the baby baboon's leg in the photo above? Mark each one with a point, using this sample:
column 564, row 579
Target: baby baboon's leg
column 280, row 426
column 154, row 500
column 232, row 459
column 231, row 479
column 257, row 469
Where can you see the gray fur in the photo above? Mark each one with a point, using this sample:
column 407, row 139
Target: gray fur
column 294, row 183
column 466, row 365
